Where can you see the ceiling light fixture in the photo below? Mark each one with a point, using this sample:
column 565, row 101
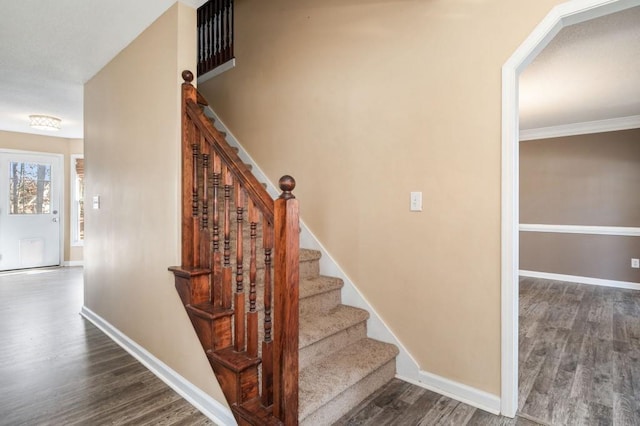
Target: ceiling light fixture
column 44, row 122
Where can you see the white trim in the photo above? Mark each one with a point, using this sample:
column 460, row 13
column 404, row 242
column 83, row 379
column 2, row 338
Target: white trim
column 73, row 263
column 565, row 14
column 406, row 366
column 74, row 211
column 610, row 125
column 581, row 229
column 208, row 406
column 217, row 71
column 458, row 391
column 580, row 280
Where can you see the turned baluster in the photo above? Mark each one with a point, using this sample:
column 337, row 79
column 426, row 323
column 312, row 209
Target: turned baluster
column 216, row 290
column 267, row 343
column 195, row 149
column 239, row 295
column 226, row 269
column 205, row 239
column 208, row 34
column 252, row 316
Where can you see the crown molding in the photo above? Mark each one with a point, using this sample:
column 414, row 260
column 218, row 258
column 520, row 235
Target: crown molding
column 599, row 126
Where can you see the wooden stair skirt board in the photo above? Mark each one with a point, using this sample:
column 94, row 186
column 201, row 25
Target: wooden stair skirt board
column 339, row 366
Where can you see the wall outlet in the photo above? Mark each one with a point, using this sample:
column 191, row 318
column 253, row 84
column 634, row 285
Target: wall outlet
column 635, row 263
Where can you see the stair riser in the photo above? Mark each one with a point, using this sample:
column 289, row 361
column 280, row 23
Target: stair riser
column 343, row 403
column 331, row 344
column 212, row 334
column 319, row 303
column 309, row 269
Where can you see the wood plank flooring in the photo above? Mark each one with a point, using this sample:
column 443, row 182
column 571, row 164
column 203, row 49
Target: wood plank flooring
column 579, row 349
column 579, row 352
column 58, row 369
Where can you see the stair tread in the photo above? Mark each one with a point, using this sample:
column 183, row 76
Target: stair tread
column 255, row 413
column 318, row 285
column 307, row 255
column 315, row 326
column 209, row 311
column 236, row 361
column 324, row 380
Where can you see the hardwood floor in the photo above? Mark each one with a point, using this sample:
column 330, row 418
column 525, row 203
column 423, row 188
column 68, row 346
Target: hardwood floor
column 579, row 349
column 58, row 369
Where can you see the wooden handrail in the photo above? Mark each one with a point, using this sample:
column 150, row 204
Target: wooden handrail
column 223, row 208
column 239, row 169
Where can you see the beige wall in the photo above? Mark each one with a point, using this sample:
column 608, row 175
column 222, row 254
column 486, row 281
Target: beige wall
column 51, row 144
column 365, row 101
column 132, row 151
column 581, row 180
column 595, row 256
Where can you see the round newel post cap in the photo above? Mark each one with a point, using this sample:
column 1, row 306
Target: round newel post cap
column 287, row 184
column 187, row 76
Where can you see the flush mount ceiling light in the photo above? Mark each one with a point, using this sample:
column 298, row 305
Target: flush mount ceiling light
column 44, row 122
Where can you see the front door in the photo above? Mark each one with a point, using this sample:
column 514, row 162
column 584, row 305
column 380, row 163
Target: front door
column 29, row 209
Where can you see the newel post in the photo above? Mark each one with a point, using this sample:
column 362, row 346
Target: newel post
column 189, row 220
column 286, row 311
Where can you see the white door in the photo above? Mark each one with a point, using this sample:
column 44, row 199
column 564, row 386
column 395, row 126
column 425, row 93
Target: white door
column 29, row 209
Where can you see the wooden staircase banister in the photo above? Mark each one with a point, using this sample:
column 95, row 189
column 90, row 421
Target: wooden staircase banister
column 226, row 211
column 238, row 168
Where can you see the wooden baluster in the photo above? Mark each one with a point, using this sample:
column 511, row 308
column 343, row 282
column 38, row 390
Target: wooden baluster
column 231, row 13
column 205, row 238
column 225, row 30
column 216, row 290
column 210, row 41
column 188, row 224
column 226, row 269
column 239, row 295
column 252, row 316
column 286, row 313
column 219, row 32
column 214, row 33
column 199, row 13
column 267, row 343
column 195, row 149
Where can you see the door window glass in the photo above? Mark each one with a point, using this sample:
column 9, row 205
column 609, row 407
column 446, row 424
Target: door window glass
column 29, row 188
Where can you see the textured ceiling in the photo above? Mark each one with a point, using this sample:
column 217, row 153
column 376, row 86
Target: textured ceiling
column 589, row 71
column 49, row 49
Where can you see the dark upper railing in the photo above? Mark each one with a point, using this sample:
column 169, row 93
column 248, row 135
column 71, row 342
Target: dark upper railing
column 230, row 229
column 215, row 34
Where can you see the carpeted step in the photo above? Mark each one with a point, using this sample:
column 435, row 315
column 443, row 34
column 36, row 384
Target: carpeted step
column 319, row 294
column 322, row 334
column 331, row 387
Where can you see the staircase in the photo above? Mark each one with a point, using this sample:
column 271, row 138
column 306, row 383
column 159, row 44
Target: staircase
column 337, row 365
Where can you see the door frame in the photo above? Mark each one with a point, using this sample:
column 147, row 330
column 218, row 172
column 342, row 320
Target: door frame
column 563, row 15
column 60, row 163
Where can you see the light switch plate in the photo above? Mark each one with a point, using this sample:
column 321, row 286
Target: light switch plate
column 416, row 202
column 96, row 202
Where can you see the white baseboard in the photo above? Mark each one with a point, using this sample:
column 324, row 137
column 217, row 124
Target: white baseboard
column 73, row 263
column 376, row 327
column 580, row 280
column 208, row 406
column 458, row 391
